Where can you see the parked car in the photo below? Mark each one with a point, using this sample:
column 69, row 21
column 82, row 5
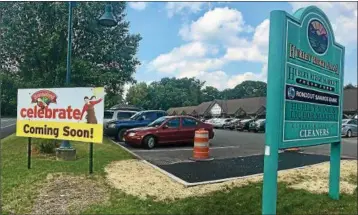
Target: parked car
column 244, row 124
column 165, row 130
column 231, row 125
column 349, row 127
column 258, row 125
column 222, row 122
column 113, row 115
column 219, row 123
column 117, row 128
column 211, row 121
column 125, row 107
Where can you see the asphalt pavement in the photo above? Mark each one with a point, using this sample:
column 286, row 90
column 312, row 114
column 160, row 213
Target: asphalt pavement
column 235, row 154
column 231, row 144
column 8, row 127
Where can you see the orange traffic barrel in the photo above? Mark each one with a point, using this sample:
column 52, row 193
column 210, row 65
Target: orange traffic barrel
column 201, row 146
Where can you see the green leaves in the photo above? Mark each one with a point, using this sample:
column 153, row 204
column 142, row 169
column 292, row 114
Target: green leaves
column 172, row 92
column 33, row 46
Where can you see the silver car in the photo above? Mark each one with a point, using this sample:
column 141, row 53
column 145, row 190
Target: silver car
column 113, row 115
column 349, row 127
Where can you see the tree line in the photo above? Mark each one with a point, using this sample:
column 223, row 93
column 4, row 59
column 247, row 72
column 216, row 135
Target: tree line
column 173, row 92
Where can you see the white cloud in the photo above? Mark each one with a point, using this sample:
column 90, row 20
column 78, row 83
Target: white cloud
column 219, row 24
column 343, row 17
column 125, row 90
column 224, row 27
column 138, row 5
column 220, row 80
column 255, row 50
column 182, row 7
column 189, row 57
column 237, row 79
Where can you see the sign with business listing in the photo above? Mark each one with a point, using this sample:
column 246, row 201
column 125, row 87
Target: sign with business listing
column 312, row 76
column 61, row 113
column 304, row 92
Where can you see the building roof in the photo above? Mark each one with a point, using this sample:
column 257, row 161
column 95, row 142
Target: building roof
column 180, row 110
column 203, row 107
column 248, row 105
column 350, row 100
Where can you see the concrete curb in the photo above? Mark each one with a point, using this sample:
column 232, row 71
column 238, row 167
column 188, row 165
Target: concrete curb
column 173, row 177
column 127, row 150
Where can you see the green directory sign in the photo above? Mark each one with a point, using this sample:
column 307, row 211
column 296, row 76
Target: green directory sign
column 304, row 92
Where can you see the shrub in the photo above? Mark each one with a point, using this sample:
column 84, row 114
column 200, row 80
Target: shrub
column 46, row 146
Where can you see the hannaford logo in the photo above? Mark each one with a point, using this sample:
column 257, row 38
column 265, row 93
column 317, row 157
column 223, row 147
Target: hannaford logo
column 43, row 98
column 291, row 93
column 41, row 110
column 317, row 36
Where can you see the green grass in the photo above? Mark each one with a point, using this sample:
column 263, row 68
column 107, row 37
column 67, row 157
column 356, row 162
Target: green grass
column 20, row 186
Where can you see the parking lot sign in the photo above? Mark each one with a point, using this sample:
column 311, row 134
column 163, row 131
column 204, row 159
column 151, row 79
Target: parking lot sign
column 304, row 92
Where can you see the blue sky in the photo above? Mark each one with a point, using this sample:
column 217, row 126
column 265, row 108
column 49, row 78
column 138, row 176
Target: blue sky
column 222, row 43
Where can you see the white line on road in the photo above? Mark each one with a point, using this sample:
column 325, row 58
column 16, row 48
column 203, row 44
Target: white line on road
column 9, row 125
column 7, row 120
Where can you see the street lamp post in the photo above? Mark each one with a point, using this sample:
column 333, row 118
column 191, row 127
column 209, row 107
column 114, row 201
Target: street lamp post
column 107, row 20
column 66, row 144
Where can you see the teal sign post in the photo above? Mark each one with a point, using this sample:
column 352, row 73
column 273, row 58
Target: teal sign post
column 304, row 93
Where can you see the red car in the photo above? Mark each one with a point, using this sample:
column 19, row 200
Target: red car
column 167, row 130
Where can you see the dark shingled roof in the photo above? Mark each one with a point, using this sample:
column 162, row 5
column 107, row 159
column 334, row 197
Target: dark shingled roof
column 248, row 105
column 203, row 107
column 190, row 110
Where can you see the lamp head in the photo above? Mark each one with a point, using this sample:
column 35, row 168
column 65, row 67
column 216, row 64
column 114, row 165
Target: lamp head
column 108, row 19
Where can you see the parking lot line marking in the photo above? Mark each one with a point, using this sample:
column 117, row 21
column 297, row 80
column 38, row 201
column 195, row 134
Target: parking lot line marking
column 183, row 149
column 9, row 125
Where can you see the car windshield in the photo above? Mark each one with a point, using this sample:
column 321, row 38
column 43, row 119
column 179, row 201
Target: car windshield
column 345, row 121
column 260, row 121
column 157, row 122
column 108, row 114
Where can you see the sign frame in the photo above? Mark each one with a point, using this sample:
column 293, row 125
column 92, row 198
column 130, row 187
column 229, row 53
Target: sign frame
column 74, row 114
column 276, row 97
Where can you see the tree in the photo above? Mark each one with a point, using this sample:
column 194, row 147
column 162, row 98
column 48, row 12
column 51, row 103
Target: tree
column 8, row 96
column 349, row 86
column 210, row 93
column 139, row 96
column 166, row 93
column 248, row 89
column 33, row 46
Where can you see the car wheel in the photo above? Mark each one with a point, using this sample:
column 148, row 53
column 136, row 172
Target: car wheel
column 349, row 133
column 120, row 135
column 149, row 142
